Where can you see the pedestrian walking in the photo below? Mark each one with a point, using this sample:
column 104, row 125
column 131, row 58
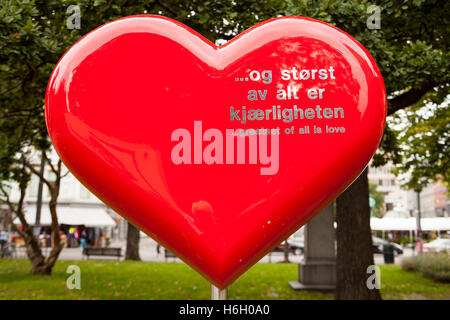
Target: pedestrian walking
column 3, row 241
column 83, row 239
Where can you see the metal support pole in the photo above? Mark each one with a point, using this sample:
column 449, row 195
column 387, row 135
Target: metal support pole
column 37, row 222
column 418, row 226
column 411, row 241
column 218, row 294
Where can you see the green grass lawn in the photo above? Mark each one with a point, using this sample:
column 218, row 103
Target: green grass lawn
column 144, row 280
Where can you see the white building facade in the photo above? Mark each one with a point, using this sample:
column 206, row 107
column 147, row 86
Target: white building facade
column 77, row 206
column 395, row 198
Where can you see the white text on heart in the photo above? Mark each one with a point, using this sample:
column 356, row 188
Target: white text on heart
column 213, row 153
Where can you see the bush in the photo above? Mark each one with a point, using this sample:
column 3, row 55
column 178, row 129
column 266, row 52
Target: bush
column 432, row 265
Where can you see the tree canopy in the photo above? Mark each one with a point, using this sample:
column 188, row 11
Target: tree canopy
column 378, row 209
column 424, row 140
column 410, row 49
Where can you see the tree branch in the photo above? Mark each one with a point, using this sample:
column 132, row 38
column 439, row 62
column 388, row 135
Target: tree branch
column 59, row 167
column 7, row 200
column 409, row 98
column 18, row 211
column 65, row 174
column 54, row 170
column 165, row 7
column 33, row 170
column 28, row 77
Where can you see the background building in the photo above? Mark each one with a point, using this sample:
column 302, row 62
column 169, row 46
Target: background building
column 394, row 196
column 434, row 201
column 77, row 207
column 441, row 201
column 427, row 203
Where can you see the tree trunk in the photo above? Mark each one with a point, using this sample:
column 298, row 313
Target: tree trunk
column 45, row 266
column 56, row 240
column 33, row 250
column 40, row 264
column 354, row 242
column 132, row 252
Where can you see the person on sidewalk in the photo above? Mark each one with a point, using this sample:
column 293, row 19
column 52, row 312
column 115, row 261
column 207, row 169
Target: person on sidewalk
column 3, row 241
column 83, row 239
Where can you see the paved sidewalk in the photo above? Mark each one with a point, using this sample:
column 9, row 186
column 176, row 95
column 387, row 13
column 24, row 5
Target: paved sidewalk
column 148, row 253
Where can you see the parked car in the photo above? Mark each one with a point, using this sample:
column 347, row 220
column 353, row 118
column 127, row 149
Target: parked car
column 437, row 245
column 296, row 248
column 377, row 244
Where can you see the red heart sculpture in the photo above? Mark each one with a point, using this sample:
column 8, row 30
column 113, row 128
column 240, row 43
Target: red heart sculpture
column 215, row 152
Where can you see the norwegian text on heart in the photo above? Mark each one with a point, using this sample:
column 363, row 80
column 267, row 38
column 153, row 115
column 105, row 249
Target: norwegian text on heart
column 295, row 106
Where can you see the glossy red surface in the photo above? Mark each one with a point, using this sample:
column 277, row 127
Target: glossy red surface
column 117, row 95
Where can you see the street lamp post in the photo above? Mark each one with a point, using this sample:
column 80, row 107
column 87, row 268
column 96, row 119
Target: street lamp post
column 37, row 223
column 419, row 242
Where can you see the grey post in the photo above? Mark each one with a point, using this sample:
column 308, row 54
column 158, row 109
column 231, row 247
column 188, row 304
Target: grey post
column 317, row 271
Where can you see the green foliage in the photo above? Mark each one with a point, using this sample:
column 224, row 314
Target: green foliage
column 425, row 144
column 399, row 284
column 410, row 49
column 378, row 210
column 433, row 265
column 28, row 52
column 144, row 280
column 34, row 36
column 404, row 240
column 388, row 150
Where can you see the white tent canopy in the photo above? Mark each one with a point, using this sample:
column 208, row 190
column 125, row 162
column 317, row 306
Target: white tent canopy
column 406, row 224
column 89, row 217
